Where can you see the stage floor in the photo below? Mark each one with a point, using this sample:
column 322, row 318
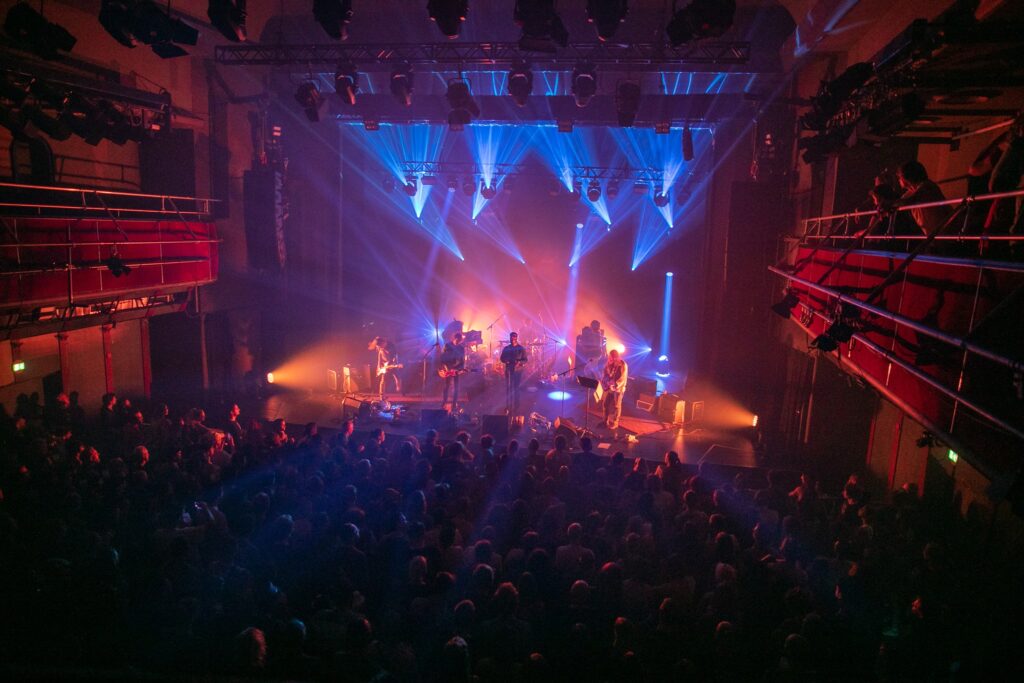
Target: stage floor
column 639, row 435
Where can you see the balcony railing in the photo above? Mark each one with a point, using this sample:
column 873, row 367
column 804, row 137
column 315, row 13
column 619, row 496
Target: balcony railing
column 78, row 202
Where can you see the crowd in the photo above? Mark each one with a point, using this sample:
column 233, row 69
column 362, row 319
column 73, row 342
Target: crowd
column 151, row 542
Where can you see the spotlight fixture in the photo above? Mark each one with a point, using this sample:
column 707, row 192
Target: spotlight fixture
column 662, row 127
column 148, row 23
column 309, row 98
column 593, row 190
column 464, row 107
column 606, row 15
column 469, row 186
column 411, row 187
column 612, row 190
column 346, row 82
column 577, row 189
column 700, row 19
column 564, row 126
column 660, row 199
column 428, row 180
column 228, row 17
column 584, row 83
column 30, row 29
column 401, row 84
column 448, row 15
column 488, row 192
column 371, row 124
column 453, row 184
column 84, row 118
column 543, row 29
column 389, row 183
column 824, row 343
column 520, row 83
column 785, row 307
column 333, row 16
column 627, row 102
column 641, row 188
column 52, row 127
column 687, row 144
column 116, row 266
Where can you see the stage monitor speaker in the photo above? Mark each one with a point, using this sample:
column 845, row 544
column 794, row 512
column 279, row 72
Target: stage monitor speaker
column 496, row 426
column 434, row 418
column 671, row 408
column 567, row 428
column 352, row 406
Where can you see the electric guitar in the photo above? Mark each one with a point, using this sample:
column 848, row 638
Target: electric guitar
column 444, row 372
column 381, row 369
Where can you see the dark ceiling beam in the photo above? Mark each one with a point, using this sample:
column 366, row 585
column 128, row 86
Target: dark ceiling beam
column 714, row 56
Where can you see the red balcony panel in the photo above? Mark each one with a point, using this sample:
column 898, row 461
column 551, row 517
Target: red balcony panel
column 164, row 256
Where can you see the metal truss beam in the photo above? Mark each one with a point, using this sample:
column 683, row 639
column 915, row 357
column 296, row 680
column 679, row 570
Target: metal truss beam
column 466, row 56
column 445, row 168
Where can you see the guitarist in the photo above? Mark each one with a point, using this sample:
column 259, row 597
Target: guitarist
column 613, row 382
column 513, row 357
column 453, row 365
column 387, row 364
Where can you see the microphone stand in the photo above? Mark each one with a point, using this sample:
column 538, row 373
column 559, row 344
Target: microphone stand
column 490, row 337
column 423, row 362
column 563, row 375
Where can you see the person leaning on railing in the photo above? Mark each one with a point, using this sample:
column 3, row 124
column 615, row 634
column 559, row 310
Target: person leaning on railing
column 1006, row 214
column 918, row 188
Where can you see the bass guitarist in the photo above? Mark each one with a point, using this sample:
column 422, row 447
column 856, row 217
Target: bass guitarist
column 513, row 357
column 453, row 366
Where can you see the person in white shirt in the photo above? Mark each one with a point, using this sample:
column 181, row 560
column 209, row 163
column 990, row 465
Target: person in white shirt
column 613, row 382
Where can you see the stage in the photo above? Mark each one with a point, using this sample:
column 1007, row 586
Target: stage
column 638, row 435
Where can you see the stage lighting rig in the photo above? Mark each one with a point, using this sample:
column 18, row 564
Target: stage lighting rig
column 687, row 144
column 453, row 184
column 543, row 29
column 469, row 186
column 701, row 19
column 627, row 102
column 346, row 82
column 333, row 16
column 30, row 29
column 660, row 199
column 53, row 128
column 606, row 15
column 401, row 84
column 584, row 83
column 520, row 83
column 641, row 187
column 612, row 191
column 488, row 192
column 309, row 98
column 116, row 266
column 594, row 190
column 449, row 15
column 228, row 17
column 411, row 187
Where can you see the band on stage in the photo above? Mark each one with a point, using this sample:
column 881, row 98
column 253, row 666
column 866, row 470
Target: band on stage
column 591, row 359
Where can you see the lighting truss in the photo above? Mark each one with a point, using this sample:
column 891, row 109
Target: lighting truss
column 652, row 57
column 455, row 168
column 584, row 174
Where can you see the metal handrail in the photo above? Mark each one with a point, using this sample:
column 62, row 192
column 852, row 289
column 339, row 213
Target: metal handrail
column 83, row 190
column 29, row 245
column 911, row 207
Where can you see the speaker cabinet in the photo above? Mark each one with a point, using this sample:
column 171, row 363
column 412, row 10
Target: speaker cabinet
column 671, row 408
column 355, row 407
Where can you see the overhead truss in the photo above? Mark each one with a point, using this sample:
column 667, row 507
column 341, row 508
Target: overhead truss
column 471, row 56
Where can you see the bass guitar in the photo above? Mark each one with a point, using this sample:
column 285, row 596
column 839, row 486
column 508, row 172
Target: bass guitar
column 444, row 372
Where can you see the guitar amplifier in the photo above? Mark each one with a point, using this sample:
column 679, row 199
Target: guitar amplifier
column 355, row 407
column 671, row 409
column 645, row 390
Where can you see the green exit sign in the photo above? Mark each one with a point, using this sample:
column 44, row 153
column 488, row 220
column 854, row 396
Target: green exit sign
column 953, row 457
column 19, row 366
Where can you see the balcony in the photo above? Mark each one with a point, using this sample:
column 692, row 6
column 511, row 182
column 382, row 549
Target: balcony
column 69, row 255
column 933, row 323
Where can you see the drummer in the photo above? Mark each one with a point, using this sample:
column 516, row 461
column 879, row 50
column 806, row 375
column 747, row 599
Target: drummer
column 529, row 333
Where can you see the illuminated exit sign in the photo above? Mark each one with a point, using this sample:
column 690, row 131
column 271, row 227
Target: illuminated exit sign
column 19, row 366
